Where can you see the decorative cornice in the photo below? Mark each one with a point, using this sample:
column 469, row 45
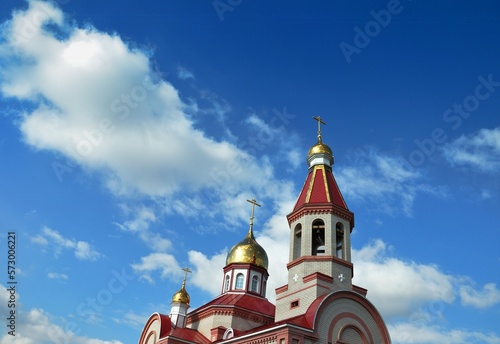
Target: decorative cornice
column 326, row 208
column 228, row 310
column 359, row 290
column 332, row 259
column 317, row 276
column 248, row 266
column 281, row 289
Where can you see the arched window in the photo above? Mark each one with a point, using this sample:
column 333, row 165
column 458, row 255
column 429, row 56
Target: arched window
column 297, row 241
column 255, row 284
column 239, row 281
column 318, row 238
column 339, row 247
column 226, row 283
column 228, row 334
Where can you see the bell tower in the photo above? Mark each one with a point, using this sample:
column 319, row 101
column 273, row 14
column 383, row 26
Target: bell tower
column 320, row 231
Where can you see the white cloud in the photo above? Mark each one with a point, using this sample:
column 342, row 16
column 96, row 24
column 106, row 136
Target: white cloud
column 270, row 134
column 480, row 150
column 388, row 278
column 98, row 102
column 35, row 326
column 165, row 263
column 382, row 180
column 82, row 249
column 184, row 74
column 133, row 320
column 107, row 109
column 191, row 207
column 295, row 158
column 414, row 333
column 275, row 237
column 487, row 297
column 40, row 240
column 57, row 238
column 486, row 194
column 57, row 276
column 216, row 106
column 207, row 274
column 419, row 294
column 142, row 218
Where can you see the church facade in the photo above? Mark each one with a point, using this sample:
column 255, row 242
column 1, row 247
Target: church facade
column 319, row 304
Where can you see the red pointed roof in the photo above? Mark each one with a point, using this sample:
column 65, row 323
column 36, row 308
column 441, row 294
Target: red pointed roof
column 320, row 187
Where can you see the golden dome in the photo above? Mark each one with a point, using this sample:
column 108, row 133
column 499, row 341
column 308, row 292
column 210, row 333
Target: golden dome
column 181, row 296
column 248, row 251
column 319, row 148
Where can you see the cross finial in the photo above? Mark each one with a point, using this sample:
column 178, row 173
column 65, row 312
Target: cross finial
column 320, row 121
column 254, row 203
column 186, row 271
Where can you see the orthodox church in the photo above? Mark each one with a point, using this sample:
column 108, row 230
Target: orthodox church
column 319, row 304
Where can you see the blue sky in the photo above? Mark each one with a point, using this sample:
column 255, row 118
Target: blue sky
column 132, row 134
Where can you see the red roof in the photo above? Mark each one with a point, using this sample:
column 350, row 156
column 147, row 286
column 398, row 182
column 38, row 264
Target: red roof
column 320, row 187
column 246, row 301
column 305, row 320
column 169, row 334
column 188, row 335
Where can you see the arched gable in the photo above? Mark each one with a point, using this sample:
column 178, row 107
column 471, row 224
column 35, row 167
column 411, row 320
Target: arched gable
column 157, row 327
column 344, row 311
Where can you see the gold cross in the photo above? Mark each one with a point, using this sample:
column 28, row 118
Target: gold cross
column 186, row 271
column 320, row 121
column 254, row 203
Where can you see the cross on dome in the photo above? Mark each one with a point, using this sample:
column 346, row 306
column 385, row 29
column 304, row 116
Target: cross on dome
column 248, row 250
column 320, row 121
column 182, row 295
column 254, row 203
column 186, row 271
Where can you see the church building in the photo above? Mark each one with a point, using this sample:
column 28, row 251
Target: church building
column 319, row 304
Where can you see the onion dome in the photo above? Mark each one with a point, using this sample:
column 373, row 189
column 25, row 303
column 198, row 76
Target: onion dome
column 248, row 251
column 320, row 154
column 319, row 148
column 181, row 296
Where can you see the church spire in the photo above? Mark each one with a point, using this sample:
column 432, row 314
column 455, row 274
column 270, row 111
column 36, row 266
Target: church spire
column 180, row 304
column 320, row 186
